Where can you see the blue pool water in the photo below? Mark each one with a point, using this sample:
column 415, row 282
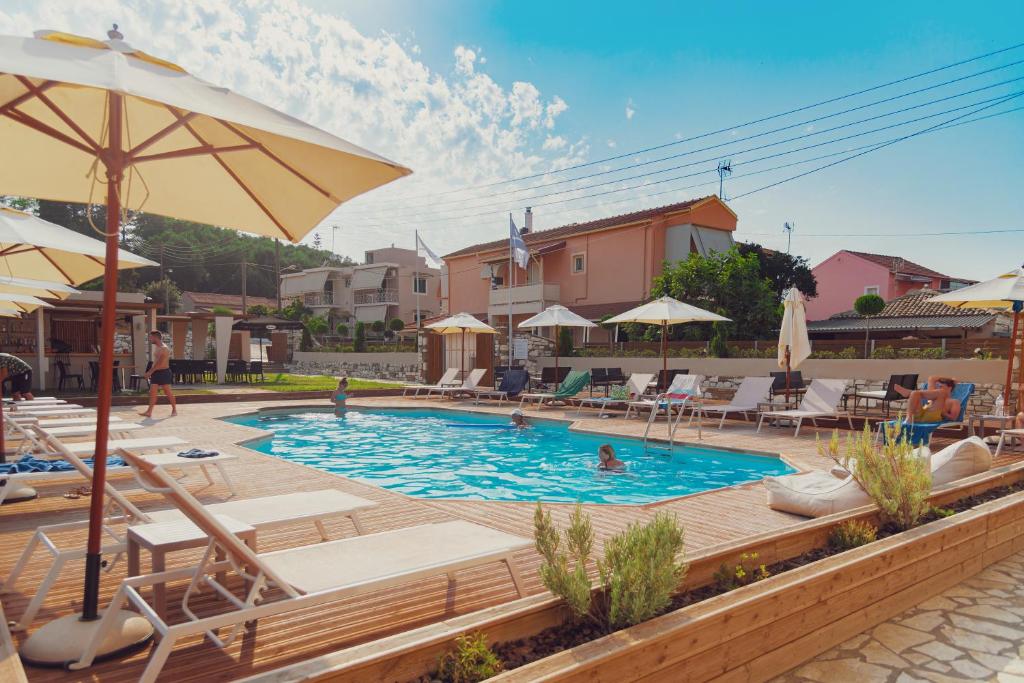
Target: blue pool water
column 446, row 454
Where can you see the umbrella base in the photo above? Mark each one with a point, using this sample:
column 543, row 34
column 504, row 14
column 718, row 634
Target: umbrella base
column 63, row 640
column 20, row 494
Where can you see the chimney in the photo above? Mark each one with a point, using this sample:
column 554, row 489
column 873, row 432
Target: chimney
column 528, row 225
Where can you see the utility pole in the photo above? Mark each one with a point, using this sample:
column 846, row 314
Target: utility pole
column 788, row 228
column 277, row 269
column 724, row 171
column 245, row 265
column 163, row 283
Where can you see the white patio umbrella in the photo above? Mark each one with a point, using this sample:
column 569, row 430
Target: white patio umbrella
column 99, row 122
column 44, row 288
column 794, row 346
column 460, row 323
column 666, row 311
column 556, row 316
column 23, row 303
column 1005, row 293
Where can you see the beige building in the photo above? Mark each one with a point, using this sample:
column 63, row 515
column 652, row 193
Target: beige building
column 385, row 287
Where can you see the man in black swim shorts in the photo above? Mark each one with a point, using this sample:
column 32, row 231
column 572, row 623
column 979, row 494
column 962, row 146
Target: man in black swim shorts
column 20, row 374
column 159, row 374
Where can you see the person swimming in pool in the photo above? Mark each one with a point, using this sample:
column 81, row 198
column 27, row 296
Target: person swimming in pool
column 339, row 396
column 608, row 461
column 519, row 420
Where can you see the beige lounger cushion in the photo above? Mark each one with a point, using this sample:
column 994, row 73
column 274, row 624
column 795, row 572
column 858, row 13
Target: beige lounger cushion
column 405, row 554
column 961, row 459
column 281, row 509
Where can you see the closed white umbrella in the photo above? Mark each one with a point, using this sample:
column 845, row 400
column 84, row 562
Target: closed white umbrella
column 91, row 121
column 1005, row 293
column 460, row 323
column 794, row 345
column 666, row 311
column 556, row 316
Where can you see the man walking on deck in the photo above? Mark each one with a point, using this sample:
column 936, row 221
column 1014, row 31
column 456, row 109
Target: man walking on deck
column 159, row 374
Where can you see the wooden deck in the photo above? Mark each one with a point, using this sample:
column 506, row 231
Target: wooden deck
column 709, row 518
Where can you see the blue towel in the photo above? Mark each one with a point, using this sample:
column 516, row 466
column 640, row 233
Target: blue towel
column 197, row 453
column 30, row 463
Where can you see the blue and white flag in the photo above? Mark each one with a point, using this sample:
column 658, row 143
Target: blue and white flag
column 516, row 245
column 427, row 253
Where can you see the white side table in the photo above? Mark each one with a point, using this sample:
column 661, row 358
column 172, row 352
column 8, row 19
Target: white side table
column 1005, row 421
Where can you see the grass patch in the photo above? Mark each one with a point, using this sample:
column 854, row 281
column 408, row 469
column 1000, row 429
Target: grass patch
column 285, row 382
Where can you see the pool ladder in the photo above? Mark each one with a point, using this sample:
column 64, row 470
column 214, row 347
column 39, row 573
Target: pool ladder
column 671, row 424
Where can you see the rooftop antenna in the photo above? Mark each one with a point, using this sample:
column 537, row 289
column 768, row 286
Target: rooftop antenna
column 788, row 228
column 724, row 171
column 114, row 34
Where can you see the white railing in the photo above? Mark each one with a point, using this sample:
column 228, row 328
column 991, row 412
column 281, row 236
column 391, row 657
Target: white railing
column 387, row 296
column 525, row 294
column 324, row 299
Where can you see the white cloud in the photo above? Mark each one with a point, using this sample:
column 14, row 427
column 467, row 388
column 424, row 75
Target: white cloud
column 630, row 110
column 464, row 59
column 555, row 142
column 611, row 143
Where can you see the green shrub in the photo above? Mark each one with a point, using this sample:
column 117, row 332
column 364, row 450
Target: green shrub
column 642, row 567
column 342, row 330
column 565, row 343
column 359, row 341
column 746, row 572
column 396, row 325
column 896, row 478
column 618, row 393
column 718, row 347
column 852, row 533
column 471, row 661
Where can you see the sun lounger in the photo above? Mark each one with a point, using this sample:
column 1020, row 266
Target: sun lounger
column 751, row 392
column 447, row 380
column 33, row 433
column 467, row 387
column 68, row 410
column 821, row 400
column 819, row 493
column 575, row 382
column 635, row 388
column 58, row 421
column 309, row 576
column 921, row 432
column 512, row 384
column 72, row 431
column 682, row 389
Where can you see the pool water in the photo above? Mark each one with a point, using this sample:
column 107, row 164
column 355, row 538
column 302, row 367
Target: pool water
column 447, row 454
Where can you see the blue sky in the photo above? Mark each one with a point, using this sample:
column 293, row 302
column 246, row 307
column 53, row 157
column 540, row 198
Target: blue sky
column 470, row 92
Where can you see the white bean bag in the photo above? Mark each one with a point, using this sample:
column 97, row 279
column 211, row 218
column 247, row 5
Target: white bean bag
column 820, row 493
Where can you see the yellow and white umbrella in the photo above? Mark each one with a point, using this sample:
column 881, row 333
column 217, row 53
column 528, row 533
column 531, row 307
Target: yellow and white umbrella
column 44, row 288
column 23, row 303
column 91, row 121
column 794, row 345
column 460, row 323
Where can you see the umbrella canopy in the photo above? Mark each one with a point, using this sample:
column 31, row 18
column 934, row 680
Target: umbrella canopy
column 666, row 311
column 1005, row 292
column 45, row 288
column 556, row 316
column 99, row 122
column 25, row 303
column 460, row 323
column 794, row 345
column 32, row 247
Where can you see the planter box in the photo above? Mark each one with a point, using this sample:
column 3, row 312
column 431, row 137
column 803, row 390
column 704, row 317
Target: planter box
column 750, row 634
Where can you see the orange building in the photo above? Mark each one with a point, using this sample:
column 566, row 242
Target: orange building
column 595, row 268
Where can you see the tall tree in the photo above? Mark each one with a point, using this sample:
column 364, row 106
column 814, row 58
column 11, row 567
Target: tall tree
column 783, row 270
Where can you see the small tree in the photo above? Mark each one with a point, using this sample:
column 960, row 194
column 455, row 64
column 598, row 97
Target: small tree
column 359, row 342
column 316, row 325
column 395, row 326
column 868, row 305
column 164, row 292
column 258, row 310
column 378, row 327
column 342, row 330
column 719, row 344
column 565, row 343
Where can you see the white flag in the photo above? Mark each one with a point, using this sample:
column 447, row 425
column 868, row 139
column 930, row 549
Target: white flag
column 428, row 255
column 520, row 254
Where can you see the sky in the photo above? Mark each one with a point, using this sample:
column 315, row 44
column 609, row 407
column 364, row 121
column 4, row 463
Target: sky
column 472, row 93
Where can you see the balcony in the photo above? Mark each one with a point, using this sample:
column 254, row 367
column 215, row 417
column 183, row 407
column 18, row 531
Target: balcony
column 375, row 296
column 321, row 299
column 525, row 299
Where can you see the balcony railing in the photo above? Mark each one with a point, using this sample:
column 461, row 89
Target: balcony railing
column 386, row 296
column 323, row 299
column 525, row 299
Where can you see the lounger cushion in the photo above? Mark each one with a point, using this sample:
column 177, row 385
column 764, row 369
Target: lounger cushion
column 814, row 494
column 272, row 510
column 961, row 459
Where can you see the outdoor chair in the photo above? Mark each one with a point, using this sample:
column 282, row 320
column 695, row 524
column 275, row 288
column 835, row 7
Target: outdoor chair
column 307, row 577
column 447, row 380
column 888, row 395
column 512, row 384
column 550, row 378
column 796, row 384
column 575, row 382
column 468, row 387
column 684, row 387
column 256, row 370
column 821, row 399
column 636, row 386
column 666, row 377
column 499, row 374
column 921, row 432
column 598, row 378
column 64, row 376
column 751, row 392
column 94, row 375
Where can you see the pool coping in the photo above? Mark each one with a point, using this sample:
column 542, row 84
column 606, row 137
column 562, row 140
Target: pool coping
column 321, row 408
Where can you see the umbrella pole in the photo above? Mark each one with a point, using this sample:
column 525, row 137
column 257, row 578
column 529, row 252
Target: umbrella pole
column 556, row 355
column 463, row 354
column 1009, row 362
column 787, row 372
column 664, row 353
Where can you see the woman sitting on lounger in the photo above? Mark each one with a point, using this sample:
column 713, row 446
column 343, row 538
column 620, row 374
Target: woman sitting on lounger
column 933, row 403
column 608, row 461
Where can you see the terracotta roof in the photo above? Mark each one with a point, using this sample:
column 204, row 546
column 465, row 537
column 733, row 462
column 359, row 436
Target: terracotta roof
column 900, row 323
column 918, row 304
column 210, row 299
column 898, row 264
column 580, row 228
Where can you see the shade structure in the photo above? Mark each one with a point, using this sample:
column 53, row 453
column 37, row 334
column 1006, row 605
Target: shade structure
column 24, row 303
column 99, row 122
column 666, row 311
column 794, row 344
column 460, row 323
column 44, row 288
column 556, row 316
column 1005, row 293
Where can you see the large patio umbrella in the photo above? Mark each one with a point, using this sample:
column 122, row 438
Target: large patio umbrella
column 666, row 311
column 794, row 346
column 1005, row 293
column 460, row 323
column 23, row 303
column 99, row 122
column 44, row 288
column 556, row 316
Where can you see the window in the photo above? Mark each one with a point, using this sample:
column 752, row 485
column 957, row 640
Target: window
column 872, row 290
column 419, row 285
column 579, row 263
column 348, row 282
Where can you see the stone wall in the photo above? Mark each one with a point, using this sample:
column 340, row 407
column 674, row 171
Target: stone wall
column 537, row 348
column 402, row 367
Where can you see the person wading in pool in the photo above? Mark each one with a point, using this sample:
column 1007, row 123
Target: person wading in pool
column 339, row 397
column 518, row 420
column 159, row 374
column 607, row 459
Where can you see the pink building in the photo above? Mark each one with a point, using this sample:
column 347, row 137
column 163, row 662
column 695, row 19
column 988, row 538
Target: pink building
column 846, row 275
column 595, row 268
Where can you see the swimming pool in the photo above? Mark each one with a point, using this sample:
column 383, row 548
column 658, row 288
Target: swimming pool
column 447, row 454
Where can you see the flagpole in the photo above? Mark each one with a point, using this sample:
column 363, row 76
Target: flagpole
column 511, row 275
column 416, row 288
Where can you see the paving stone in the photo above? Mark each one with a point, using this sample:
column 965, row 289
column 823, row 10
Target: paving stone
column 843, row 670
column 904, row 677
column 987, row 627
column 927, row 621
column 937, row 666
column 854, row 643
column 994, row 662
column 971, row 669
column 989, row 612
column 937, row 650
column 998, row 602
column 936, row 677
column 898, row 638
column 974, row 641
column 916, row 658
column 940, row 602
column 876, row 653
column 1004, row 677
column 963, row 591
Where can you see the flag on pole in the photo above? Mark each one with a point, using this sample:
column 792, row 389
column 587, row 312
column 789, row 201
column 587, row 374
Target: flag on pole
column 432, row 259
column 520, row 254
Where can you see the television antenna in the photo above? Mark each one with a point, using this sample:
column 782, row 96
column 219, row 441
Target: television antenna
column 724, row 171
column 788, row 228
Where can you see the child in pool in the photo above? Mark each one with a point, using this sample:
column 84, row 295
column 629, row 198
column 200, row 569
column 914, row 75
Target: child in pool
column 608, row 461
column 518, row 420
column 339, row 396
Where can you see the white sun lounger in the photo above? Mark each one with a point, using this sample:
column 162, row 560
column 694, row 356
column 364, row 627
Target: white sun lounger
column 70, row 431
column 751, row 392
column 821, row 400
column 447, row 380
column 58, row 421
column 68, row 410
column 38, row 399
column 678, row 394
column 636, row 386
column 309, row 576
column 468, row 386
column 33, row 433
